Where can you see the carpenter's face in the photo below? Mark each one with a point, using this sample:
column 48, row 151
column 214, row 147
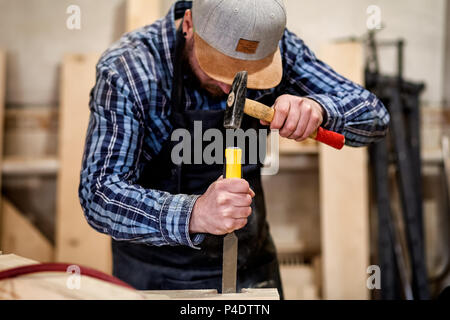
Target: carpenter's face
column 215, row 88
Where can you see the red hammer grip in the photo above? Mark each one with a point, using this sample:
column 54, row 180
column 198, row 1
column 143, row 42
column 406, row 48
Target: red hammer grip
column 333, row 139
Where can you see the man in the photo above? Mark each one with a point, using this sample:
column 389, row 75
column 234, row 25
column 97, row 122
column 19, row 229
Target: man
column 167, row 221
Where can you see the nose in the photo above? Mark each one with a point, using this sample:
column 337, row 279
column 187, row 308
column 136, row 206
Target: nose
column 226, row 88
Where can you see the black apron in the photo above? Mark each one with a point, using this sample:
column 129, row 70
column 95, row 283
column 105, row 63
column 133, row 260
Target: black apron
column 180, row 267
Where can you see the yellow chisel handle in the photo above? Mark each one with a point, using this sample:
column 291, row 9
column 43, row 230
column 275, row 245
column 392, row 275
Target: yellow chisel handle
column 233, row 158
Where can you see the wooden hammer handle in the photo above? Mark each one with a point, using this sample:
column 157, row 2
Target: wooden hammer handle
column 262, row 112
column 258, row 110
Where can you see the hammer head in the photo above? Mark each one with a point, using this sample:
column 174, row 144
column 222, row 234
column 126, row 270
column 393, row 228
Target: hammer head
column 236, row 102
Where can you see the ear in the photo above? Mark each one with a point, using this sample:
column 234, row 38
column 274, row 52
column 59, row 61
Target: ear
column 188, row 25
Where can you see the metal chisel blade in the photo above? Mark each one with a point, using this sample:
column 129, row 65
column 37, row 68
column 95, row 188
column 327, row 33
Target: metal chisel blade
column 229, row 270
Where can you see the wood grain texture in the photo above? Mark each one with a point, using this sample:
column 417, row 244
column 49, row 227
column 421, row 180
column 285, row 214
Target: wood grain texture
column 20, row 237
column 446, row 157
column 2, row 117
column 258, row 110
column 142, row 12
column 2, row 95
column 344, row 198
column 9, row 261
column 245, row 294
column 60, row 285
column 76, row 241
column 54, row 286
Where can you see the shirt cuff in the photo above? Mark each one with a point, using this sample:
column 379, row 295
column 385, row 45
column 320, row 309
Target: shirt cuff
column 174, row 219
column 334, row 119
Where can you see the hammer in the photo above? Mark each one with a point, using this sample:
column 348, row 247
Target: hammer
column 238, row 104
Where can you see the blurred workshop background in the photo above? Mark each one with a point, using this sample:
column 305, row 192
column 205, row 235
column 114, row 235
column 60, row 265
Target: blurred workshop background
column 370, row 223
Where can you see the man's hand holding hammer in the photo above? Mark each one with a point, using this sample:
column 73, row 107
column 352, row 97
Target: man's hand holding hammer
column 296, row 118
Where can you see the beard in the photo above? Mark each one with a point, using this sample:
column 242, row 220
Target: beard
column 207, row 86
column 213, row 90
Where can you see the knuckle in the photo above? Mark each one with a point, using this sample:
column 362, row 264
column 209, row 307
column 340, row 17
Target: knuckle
column 284, row 111
column 297, row 134
column 315, row 118
column 226, row 213
column 291, row 127
column 221, row 200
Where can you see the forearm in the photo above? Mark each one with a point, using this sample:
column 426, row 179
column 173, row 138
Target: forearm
column 128, row 212
column 359, row 115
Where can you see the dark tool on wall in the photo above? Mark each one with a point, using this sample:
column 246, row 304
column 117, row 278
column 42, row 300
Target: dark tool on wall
column 402, row 149
column 238, row 104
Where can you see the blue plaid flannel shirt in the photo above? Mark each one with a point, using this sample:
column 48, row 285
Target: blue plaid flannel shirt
column 129, row 121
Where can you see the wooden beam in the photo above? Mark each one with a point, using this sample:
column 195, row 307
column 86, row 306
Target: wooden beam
column 76, row 241
column 20, row 237
column 24, row 166
column 142, row 12
column 446, row 159
column 2, row 97
column 2, row 117
column 344, row 198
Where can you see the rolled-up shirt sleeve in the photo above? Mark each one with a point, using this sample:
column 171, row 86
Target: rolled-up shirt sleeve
column 112, row 201
column 350, row 109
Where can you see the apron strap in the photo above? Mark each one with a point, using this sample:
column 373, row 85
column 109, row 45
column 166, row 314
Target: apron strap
column 178, row 86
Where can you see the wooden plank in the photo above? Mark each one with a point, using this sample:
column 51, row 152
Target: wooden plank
column 245, row 294
column 2, row 117
column 55, row 285
column 24, row 166
column 299, row 282
column 142, row 12
column 9, row 261
column 2, row 96
column 20, row 237
column 31, row 131
column 76, row 241
column 52, row 285
column 446, row 158
column 344, row 198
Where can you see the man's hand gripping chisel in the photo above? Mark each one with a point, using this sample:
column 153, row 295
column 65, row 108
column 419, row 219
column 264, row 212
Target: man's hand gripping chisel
column 238, row 104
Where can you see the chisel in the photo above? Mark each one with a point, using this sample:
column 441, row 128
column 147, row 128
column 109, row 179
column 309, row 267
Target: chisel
column 233, row 169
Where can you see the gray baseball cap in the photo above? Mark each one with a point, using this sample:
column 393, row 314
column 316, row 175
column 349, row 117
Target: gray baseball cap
column 240, row 35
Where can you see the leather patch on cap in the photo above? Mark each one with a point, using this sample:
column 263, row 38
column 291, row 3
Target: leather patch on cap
column 247, row 46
